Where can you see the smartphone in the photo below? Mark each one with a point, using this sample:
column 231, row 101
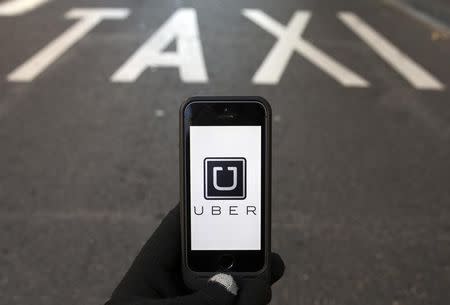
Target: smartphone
column 225, row 171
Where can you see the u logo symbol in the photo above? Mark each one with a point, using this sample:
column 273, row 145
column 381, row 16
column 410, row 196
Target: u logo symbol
column 224, row 178
column 224, row 188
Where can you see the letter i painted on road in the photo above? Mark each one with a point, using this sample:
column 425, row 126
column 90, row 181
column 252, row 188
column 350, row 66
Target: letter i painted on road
column 416, row 75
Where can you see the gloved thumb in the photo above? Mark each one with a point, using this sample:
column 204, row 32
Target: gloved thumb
column 221, row 289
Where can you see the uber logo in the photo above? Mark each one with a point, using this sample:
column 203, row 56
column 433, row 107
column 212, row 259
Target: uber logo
column 225, row 178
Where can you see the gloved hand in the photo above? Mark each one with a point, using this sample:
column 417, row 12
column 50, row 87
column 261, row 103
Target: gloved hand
column 155, row 277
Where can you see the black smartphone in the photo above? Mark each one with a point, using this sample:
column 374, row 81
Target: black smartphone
column 225, row 157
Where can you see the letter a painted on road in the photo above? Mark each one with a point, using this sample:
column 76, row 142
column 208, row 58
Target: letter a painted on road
column 188, row 58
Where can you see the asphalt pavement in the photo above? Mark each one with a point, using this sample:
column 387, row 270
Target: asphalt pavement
column 89, row 141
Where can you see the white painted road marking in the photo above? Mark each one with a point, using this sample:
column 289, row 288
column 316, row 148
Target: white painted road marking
column 289, row 40
column 182, row 27
column 89, row 18
column 19, row 7
column 411, row 71
column 418, row 15
column 159, row 113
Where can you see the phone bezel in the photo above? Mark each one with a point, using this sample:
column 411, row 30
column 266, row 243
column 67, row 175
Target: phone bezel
column 208, row 111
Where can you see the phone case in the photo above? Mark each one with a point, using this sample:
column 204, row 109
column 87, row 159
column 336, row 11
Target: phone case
column 196, row 280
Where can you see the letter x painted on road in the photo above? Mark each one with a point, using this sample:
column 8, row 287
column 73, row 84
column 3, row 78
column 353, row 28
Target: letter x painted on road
column 289, row 41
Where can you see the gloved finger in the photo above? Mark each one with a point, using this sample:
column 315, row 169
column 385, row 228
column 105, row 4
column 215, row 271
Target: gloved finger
column 255, row 291
column 221, row 289
column 276, row 268
column 160, row 254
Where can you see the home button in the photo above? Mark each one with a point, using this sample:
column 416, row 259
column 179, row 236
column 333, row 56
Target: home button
column 226, row 261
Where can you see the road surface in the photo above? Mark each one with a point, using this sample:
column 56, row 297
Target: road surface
column 89, row 98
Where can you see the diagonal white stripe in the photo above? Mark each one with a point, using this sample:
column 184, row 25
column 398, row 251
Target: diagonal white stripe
column 399, row 61
column 88, row 19
column 19, row 7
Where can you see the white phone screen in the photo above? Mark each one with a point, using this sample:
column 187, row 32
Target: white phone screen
column 225, row 187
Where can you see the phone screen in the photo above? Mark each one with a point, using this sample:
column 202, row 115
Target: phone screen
column 225, row 187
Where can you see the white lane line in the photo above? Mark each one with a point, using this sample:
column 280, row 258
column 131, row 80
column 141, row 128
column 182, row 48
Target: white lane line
column 416, row 75
column 159, row 113
column 88, row 19
column 19, row 7
column 426, row 19
column 289, row 41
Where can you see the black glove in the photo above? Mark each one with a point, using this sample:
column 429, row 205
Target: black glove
column 155, row 277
